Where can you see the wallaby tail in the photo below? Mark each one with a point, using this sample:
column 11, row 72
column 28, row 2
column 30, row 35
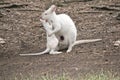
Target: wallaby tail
column 86, row 41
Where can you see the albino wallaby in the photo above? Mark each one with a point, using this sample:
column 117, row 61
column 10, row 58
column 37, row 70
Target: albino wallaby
column 52, row 41
column 64, row 25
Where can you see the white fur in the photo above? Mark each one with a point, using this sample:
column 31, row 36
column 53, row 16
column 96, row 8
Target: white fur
column 52, row 41
column 64, row 26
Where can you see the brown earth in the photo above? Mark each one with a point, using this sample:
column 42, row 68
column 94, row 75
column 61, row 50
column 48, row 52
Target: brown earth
column 23, row 32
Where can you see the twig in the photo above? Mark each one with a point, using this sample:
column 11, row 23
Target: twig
column 28, row 10
column 115, row 5
column 14, row 6
column 70, row 1
column 80, row 12
column 105, row 8
column 2, row 3
column 2, row 41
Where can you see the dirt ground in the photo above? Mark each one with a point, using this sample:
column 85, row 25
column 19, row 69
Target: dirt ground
column 23, row 32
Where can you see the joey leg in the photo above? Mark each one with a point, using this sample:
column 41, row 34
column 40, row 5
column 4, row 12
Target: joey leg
column 33, row 54
column 54, row 52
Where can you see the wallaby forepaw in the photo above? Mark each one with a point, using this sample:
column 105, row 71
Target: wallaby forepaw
column 50, row 34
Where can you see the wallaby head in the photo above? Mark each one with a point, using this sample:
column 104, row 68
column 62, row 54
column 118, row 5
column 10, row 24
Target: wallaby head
column 48, row 13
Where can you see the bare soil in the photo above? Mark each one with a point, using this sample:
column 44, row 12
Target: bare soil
column 23, row 32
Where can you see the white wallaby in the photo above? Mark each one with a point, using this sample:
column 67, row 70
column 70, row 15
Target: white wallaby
column 52, row 41
column 64, row 26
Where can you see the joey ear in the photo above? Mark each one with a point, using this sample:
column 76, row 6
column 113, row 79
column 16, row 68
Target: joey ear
column 53, row 8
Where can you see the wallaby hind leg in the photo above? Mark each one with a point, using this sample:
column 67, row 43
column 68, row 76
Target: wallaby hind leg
column 71, row 41
column 69, row 48
column 71, row 44
column 54, row 52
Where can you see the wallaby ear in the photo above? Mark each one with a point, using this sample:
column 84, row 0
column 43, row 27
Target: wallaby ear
column 53, row 8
